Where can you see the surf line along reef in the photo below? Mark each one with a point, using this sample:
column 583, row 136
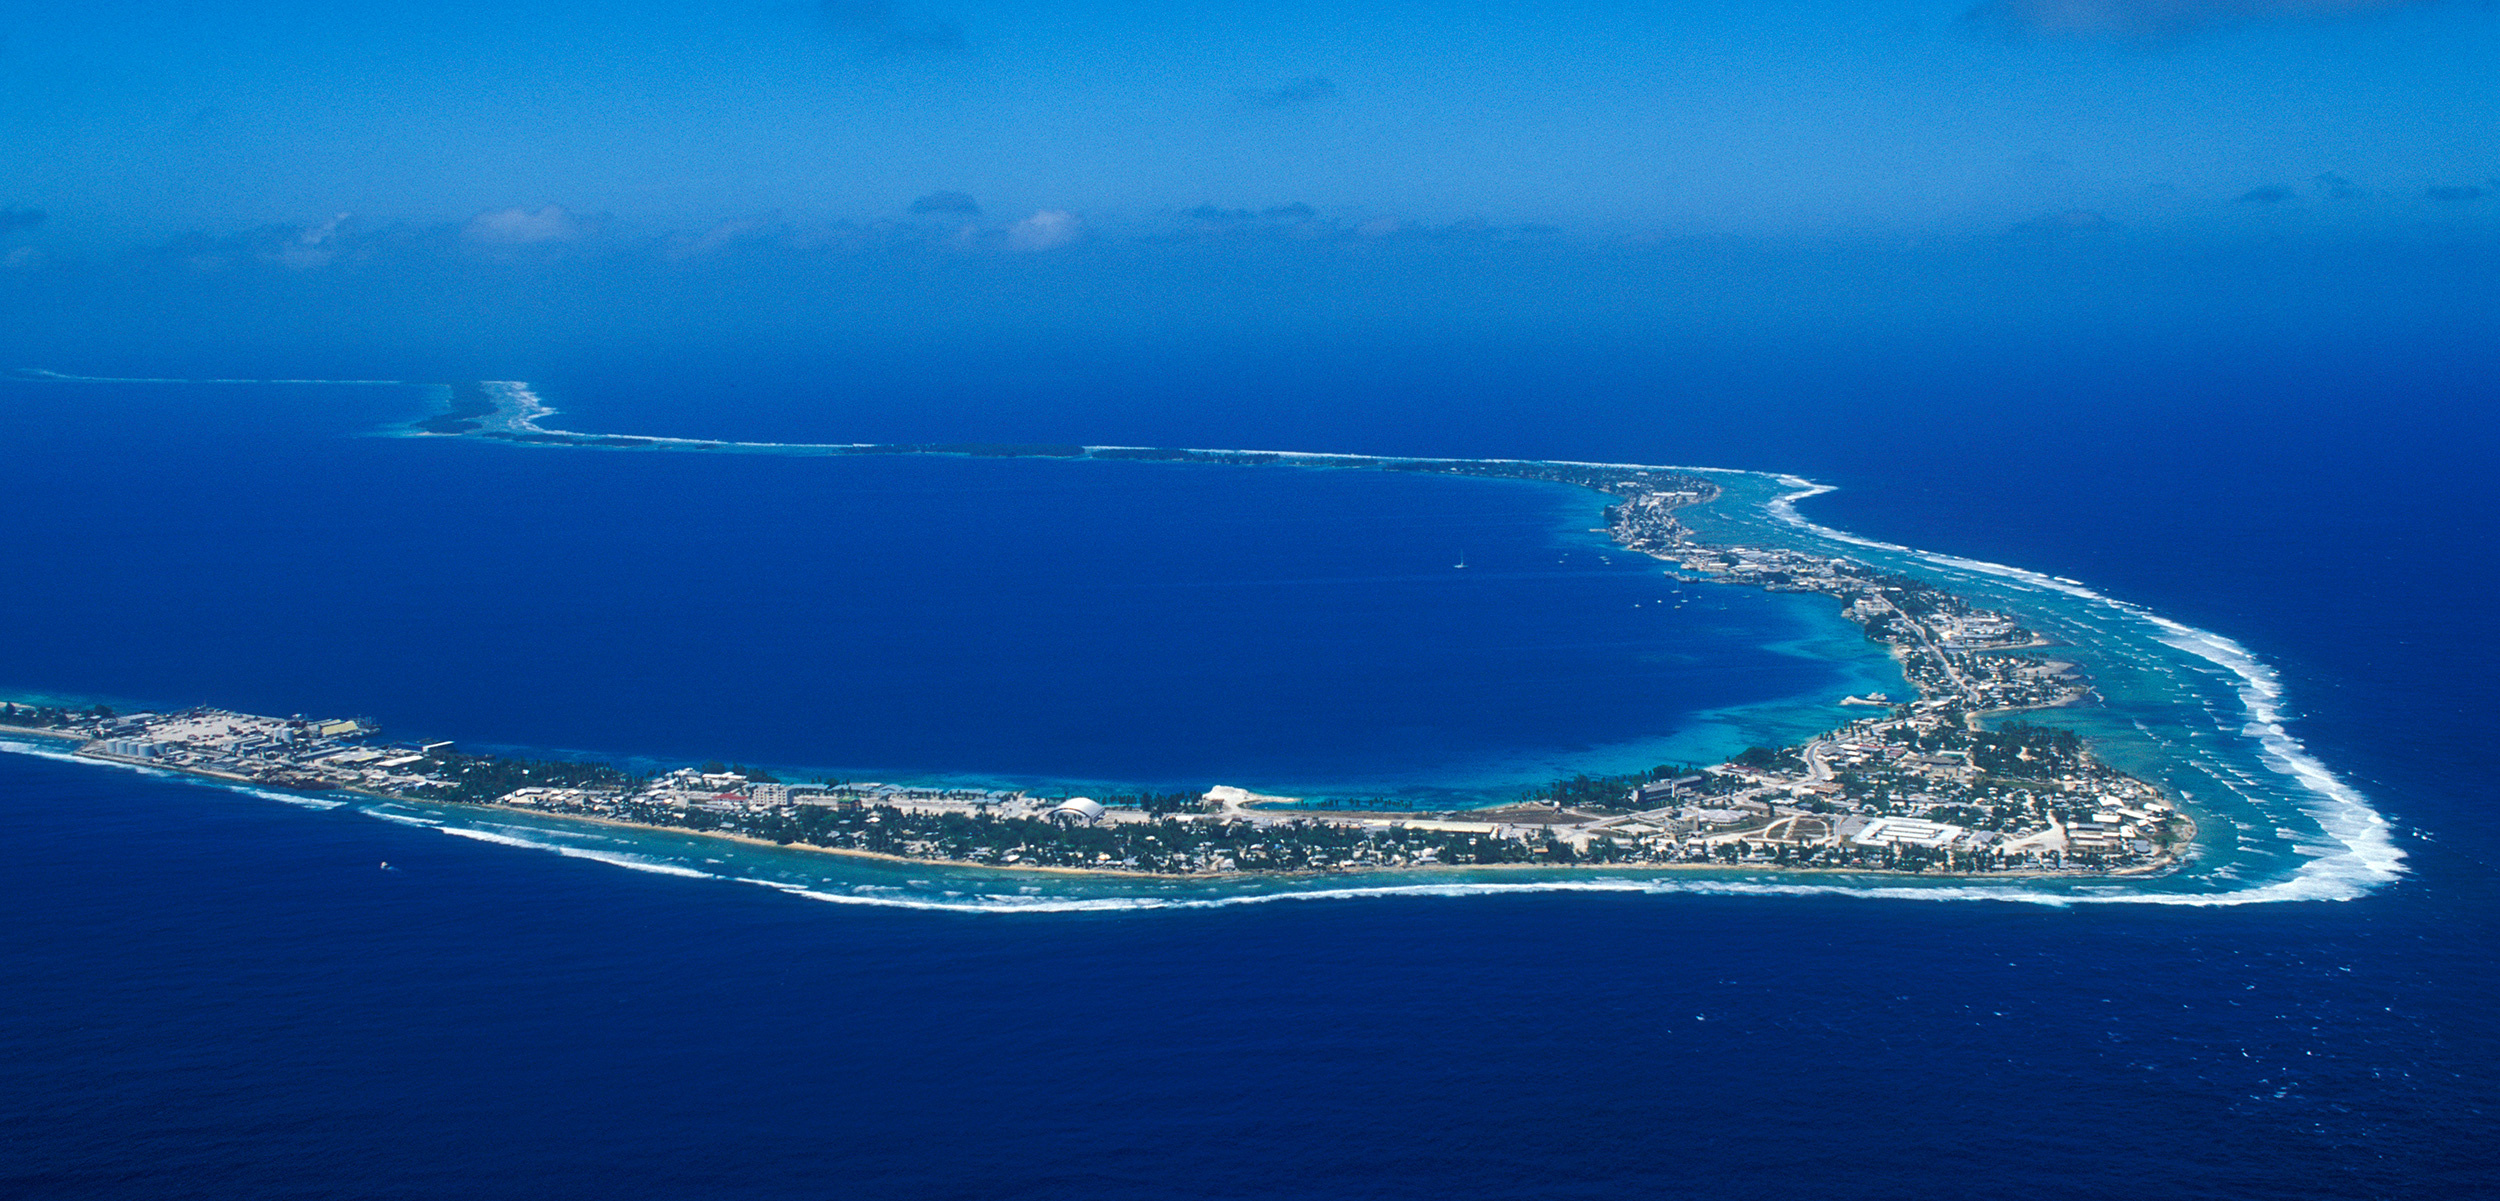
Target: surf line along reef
column 1921, row 786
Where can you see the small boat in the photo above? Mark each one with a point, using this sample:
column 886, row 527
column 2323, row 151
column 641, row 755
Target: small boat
column 1462, row 562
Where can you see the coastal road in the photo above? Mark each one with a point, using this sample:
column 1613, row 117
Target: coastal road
column 1817, row 769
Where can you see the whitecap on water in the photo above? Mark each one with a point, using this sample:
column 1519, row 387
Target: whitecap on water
column 2363, row 855
column 2352, row 851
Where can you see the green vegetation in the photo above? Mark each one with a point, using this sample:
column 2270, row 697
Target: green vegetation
column 36, row 717
column 1763, row 758
column 1618, row 480
column 482, row 779
column 2020, row 749
column 1157, row 804
column 1167, row 846
column 1584, row 791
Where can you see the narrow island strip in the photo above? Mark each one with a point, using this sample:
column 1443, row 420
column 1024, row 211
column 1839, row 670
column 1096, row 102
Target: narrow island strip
column 1925, row 785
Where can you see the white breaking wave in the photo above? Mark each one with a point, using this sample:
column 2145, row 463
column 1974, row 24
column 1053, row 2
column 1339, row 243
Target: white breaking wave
column 284, row 798
column 2006, row 893
column 2367, row 855
column 521, row 408
column 611, row 858
column 635, row 862
column 55, row 753
column 401, row 818
column 2304, row 886
column 2361, row 854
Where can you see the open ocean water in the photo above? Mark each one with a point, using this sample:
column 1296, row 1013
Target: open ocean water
column 214, row 993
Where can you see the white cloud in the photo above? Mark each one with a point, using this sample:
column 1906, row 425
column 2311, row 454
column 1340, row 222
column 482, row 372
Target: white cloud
column 314, row 247
column 1045, row 230
column 323, row 232
column 518, row 226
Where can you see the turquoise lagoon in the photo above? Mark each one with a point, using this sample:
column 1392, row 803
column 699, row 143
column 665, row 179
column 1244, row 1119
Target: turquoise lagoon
column 1045, row 624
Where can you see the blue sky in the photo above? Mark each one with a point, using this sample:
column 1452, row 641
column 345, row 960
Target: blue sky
column 1235, row 200
column 130, row 123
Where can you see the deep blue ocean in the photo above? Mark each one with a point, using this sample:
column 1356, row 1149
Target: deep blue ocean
column 211, row 993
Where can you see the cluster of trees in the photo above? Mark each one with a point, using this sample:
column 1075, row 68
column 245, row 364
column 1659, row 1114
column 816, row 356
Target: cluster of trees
column 2022, row 749
column 1619, row 481
column 1157, row 804
column 480, row 779
column 44, row 716
column 1584, row 791
column 1967, row 816
column 1913, row 596
column 1763, row 758
column 1942, row 738
column 1168, row 846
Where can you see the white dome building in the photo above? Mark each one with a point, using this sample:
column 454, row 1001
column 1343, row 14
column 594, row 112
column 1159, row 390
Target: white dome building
column 1078, row 811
